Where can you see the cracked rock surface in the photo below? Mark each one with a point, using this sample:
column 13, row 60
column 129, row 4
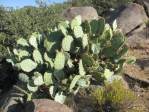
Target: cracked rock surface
column 87, row 13
column 45, row 105
column 129, row 18
column 139, row 47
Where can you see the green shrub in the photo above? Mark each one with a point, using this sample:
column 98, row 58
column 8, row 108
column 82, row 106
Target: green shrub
column 102, row 6
column 65, row 60
column 114, row 97
column 16, row 23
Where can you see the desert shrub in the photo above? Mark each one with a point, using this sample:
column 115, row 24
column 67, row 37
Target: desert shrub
column 66, row 59
column 80, row 2
column 36, row 19
column 24, row 21
column 102, row 6
column 3, row 52
column 17, row 23
column 114, row 97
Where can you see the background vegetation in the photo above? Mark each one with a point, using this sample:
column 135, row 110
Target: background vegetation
column 16, row 23
column 102, row 6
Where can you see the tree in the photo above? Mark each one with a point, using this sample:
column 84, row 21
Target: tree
column 41, row 3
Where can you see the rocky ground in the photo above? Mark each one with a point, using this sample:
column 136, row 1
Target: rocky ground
column 137, row 31
column 137, row 75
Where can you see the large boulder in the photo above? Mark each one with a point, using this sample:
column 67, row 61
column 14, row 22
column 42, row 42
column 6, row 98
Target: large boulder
column 145, row 4
column 129, row 17
column 9, row 102
column 45, row 105
column 138, row 44
column 87, row 13
column 138, row 39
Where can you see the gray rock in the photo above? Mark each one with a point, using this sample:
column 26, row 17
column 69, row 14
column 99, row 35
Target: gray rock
column 45, row 105
column 145, row 4
column 138, row 42
column 138, row 39
column 9, row 101
column 87, row 13
column 129, row 18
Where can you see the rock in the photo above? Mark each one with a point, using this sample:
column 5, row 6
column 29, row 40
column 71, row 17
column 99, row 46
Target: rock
column 145, row 4
column 138, row 44
column 129, row 18
column 87, row 13
column 135, row 72
column 125, row 82
column 10, row 101
column 85, row 101
column 138, row 39
column 45, row 105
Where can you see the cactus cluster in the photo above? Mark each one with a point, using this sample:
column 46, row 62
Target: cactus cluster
column 69, row 57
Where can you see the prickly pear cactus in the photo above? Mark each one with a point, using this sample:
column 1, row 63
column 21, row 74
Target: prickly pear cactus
column 66, row 59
